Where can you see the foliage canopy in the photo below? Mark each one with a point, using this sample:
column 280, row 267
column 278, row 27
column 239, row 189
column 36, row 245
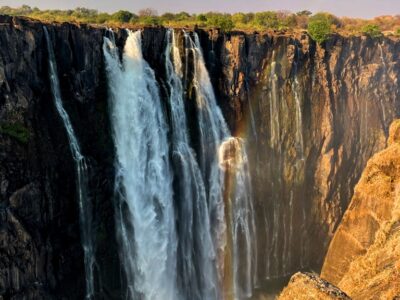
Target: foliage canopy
column 319, row 25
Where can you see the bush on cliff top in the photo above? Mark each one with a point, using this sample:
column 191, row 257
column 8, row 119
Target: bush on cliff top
column 260, row 21
column 320, row 27
column 372, row 30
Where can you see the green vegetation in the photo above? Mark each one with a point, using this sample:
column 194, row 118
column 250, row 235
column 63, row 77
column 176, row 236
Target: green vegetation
column 319, row 25
column 372, row 30
column 15, row 130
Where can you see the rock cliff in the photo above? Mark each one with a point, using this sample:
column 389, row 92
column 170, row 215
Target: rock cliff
column 363, row 257
column 308, row 286
column 313, row 115
column 369, row 232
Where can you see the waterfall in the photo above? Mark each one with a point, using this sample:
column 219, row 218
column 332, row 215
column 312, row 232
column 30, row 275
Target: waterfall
column 145, row 214
column 299, row 115
column 384, row 78
column 213, row 131
column 300, row 159
column 275, row 143
column 192, row 210
column 172, row 223
column 274, row 109
column 232, row 162
column 85, row 205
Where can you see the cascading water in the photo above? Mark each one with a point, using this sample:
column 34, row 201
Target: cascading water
column 275, row 144
column 214, row 135
column 85, row 205
column 170, row 216
column 300, row 159
column 234, row 160
column 145, row 212
column 384, row 67
column 213, row 131
column 299, row 114
column 197, row 272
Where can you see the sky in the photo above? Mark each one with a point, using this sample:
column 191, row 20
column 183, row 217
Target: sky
column 351, row 8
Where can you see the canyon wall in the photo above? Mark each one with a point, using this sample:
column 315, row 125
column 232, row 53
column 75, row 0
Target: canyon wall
column 312, row 116
column 369, row 231
column 363, row 256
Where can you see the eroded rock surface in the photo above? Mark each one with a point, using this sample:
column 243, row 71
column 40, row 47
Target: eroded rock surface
column 363, row 257
column 306, row 286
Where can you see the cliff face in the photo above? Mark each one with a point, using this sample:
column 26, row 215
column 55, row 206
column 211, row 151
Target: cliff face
column 369, row 231
column 40, row 252
column 312, row 115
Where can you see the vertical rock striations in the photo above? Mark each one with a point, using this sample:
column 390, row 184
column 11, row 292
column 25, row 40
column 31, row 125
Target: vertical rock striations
column 313, row 115
column 40, row 253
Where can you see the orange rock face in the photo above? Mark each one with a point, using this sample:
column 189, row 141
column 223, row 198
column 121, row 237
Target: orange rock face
column 363, row 257
column 305, row 286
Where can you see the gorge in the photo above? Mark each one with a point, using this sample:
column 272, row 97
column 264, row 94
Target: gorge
column 266, row 133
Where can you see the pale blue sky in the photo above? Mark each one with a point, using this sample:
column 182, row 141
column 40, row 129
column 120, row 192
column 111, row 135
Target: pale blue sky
column 354, row 8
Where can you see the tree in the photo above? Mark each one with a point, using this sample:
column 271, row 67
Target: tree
column 122, row 16
column 182, row 16
column 372, row 30
column 267, row 19
column 201, row 18
column 239, row 18
column 222, row 21
column 320, row 27
column 102, row 18
column 168, row 16
column 150, row 20
column 147, row 12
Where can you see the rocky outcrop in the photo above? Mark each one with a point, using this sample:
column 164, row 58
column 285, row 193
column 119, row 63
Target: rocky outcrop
column 313, row 115
column 306, row 286
column 363, row 257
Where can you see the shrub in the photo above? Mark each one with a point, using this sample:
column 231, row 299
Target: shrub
column 122, row 16
column 372, row 30
column 15, row 130
column 320, row 27
column 168, row 16
column 201, row 18
column 102, row 18
column 222, row 21
column 268, row 19
column 150, row 21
